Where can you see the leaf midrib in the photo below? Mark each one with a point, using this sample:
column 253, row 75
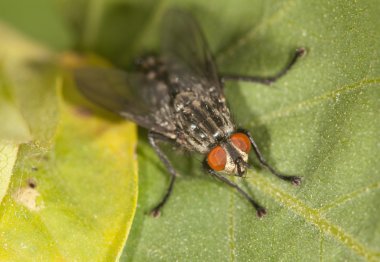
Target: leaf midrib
column 313, row 216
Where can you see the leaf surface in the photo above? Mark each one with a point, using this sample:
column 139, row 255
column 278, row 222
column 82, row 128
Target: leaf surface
column 68, row 178
column 319, row 121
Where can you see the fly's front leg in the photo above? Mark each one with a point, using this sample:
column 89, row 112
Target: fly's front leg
column 259, row 209
column 295, row 180
column 153, row 139
column 270, row 79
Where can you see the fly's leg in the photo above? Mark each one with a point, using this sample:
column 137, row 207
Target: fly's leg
column 295, row 180
column 153, row 138
column 259, row 209
column 270, row 79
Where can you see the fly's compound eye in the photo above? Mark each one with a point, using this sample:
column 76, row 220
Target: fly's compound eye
column 241, row 141
column 217, row 158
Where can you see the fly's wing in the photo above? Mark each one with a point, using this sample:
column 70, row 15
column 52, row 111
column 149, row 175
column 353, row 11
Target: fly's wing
column 130, row 95
column 186, row 50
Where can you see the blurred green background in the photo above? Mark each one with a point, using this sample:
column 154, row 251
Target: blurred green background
column 41, row 20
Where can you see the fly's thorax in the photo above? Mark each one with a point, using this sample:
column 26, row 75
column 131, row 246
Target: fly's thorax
column 231, row 155
column 201, row 121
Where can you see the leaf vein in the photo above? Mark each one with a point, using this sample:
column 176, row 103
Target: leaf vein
column 231, row 229
column 313, row 216
column 267, row 118
column 321, row 239
column 350, row 196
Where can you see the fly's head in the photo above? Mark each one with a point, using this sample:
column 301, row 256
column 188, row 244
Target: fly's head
column 231, row 156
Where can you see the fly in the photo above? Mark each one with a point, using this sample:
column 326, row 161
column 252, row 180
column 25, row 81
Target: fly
column 179, row 98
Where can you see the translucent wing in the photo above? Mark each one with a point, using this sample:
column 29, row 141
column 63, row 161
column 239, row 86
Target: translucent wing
column 131, row 95
column 185, row 48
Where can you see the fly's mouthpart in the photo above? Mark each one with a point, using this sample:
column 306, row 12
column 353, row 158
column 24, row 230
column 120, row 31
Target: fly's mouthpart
column 241, row 166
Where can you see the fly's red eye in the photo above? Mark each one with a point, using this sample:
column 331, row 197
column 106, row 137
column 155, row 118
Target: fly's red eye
column 217, row 158
column 241, row 141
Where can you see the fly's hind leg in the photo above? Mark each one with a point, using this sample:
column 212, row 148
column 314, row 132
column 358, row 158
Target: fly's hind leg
column 270, row 79
column 153, row 139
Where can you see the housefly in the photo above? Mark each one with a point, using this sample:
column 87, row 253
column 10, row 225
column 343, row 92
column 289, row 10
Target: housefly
column 179, row 98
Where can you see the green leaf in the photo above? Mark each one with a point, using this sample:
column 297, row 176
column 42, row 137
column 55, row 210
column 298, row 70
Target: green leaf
column 38, row 19
column 73, row 192
column 75, row 201
column 16, row 112
column 319, row 121
column 8, row 153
